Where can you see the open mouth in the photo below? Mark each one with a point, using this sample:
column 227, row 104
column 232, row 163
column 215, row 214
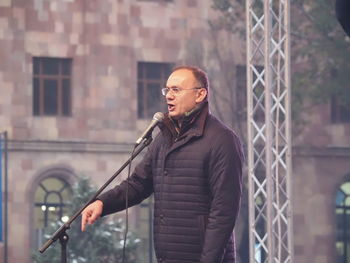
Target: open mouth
column 171, row 107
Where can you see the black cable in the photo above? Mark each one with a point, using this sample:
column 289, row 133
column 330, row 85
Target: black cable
column 126, row 205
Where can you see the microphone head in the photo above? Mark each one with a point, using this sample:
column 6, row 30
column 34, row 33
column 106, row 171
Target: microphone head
column 158, row 116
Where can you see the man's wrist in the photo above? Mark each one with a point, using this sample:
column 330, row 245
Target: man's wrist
column 99, row 202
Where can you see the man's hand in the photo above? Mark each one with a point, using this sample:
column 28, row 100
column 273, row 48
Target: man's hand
column 91, row 213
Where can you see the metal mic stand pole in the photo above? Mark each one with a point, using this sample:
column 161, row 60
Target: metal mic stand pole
column 61, row 232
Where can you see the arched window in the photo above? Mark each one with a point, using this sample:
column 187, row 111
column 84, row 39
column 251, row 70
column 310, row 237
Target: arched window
column 50, row 204
column 342, row 211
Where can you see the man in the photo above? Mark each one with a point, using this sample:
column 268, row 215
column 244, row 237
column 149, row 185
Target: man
column 194, row 169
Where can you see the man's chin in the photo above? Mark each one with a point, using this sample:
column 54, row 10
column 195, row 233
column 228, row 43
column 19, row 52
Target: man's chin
column 174, row 116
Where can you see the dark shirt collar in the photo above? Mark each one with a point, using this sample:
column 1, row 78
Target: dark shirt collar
column 192, row 122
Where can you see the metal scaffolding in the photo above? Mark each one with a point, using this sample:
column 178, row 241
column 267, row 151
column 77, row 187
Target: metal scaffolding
column 269, row 131
column 3, row 193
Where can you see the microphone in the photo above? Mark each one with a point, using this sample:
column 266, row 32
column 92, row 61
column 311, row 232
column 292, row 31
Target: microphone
column 157, row 118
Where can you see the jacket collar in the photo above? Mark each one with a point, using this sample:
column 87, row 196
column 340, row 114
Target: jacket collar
column 192, row 123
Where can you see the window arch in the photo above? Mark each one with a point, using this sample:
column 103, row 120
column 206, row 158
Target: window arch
column 50, row 203
column 342, row 212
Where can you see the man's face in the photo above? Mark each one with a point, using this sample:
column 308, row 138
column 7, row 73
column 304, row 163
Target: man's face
column 187, row 97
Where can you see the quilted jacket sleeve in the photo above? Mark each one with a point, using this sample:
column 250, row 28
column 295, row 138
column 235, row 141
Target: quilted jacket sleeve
column 225, row 181
column 140, row 186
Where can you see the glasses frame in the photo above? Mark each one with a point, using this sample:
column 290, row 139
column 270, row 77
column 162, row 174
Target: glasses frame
column 175, row 90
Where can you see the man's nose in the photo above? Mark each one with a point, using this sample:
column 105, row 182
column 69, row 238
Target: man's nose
column 169, row 96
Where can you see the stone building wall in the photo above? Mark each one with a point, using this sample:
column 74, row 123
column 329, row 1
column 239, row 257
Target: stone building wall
column 318, row 175
column 31, row 162
column 106, row 39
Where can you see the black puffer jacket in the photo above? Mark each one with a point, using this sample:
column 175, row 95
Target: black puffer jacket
column 197, row 181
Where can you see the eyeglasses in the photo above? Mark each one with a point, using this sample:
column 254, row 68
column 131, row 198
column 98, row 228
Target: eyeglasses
column 175, row 90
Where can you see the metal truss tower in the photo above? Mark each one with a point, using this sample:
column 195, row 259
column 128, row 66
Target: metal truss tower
column 269, row 131
column 4, row 193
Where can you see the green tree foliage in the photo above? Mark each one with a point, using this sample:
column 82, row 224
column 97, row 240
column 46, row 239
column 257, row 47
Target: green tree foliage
column 320, row 49
column 101, row 242
column 232, row 16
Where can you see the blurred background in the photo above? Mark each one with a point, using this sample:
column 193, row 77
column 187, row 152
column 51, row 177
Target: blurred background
column 81, row 79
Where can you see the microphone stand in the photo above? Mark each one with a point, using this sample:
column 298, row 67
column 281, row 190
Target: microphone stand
column 61, row 232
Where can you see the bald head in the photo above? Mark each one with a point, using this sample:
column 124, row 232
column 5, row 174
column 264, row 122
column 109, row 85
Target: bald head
column 184, row 92
column 199, row 74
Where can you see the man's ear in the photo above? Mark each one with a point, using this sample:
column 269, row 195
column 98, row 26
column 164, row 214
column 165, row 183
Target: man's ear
column 201, row 95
